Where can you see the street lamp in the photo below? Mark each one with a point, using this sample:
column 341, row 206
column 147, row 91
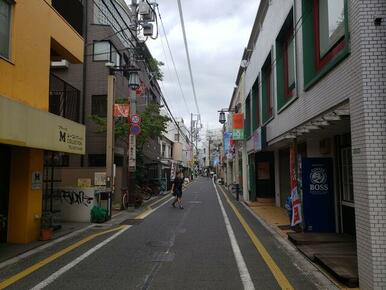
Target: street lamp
column 221, row 118
column 134, row 80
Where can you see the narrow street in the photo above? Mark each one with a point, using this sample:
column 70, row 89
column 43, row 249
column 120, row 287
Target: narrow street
column 192, row 248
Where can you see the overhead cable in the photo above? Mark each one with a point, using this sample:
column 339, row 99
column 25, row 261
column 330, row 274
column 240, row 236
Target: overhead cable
column 187, row 55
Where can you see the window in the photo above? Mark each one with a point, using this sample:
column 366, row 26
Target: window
column 255, row 105
column 97, row 160
column 5, row 28
column 105, row 51
column 285, row 62
column 163, row 150
column 267, row 90
column 347, row 177
column 247, row 121
column 331, row 24
column 99, row 105
column 325, row 37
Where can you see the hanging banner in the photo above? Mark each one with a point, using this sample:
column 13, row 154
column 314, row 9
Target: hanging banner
column 132, row 153
column 296, row 217
column 121, row 110
column 238, row 126
column 227, row 142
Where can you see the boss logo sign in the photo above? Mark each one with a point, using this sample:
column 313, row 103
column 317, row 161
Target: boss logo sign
column 62, row 136
column 319, row 181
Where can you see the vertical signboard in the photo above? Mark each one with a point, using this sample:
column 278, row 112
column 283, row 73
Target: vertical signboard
column 238, row 126
column 318, row 194
column 296, row 217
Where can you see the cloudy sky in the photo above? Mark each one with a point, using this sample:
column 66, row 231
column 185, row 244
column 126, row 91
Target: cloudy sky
column 217, row 32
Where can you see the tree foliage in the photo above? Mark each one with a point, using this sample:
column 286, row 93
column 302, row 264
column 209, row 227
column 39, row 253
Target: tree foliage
column 155, row 68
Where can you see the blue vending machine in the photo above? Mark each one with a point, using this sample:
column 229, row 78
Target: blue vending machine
column 318, row 195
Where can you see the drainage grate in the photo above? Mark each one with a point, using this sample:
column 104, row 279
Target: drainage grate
column 132, row 222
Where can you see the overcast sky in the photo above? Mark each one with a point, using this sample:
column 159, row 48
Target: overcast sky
column 217, row 32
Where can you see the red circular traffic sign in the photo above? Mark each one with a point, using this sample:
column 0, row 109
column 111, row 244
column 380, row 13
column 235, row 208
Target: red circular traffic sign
column 135, row 129
column 135, row 119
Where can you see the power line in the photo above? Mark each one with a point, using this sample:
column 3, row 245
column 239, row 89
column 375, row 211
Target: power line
column 187, row 55
column 172, row 58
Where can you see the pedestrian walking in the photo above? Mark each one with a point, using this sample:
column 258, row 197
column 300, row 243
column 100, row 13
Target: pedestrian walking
column 177, row 189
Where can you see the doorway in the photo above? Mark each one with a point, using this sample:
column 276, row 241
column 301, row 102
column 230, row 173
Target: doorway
column 5, row 157
column 265, row 175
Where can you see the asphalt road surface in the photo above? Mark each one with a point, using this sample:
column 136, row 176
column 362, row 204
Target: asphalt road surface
column 213, row 243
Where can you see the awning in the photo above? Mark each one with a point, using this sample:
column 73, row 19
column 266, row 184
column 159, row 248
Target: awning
column 24, row 126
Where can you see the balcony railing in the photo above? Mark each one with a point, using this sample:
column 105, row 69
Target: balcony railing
column 72, row 11
column 64, row 99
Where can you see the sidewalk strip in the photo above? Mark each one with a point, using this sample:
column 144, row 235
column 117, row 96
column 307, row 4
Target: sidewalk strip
column 64, row 269
column 277, row 273
column 13, row 279
column 242, row 267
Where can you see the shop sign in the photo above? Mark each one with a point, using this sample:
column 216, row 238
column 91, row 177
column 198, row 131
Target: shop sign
column 296, row 217
column 132, row 153
column 318, row 194
column 24, row 126
column 259, row 139
column 100, row 178
column 238, row 126
column 36, row 180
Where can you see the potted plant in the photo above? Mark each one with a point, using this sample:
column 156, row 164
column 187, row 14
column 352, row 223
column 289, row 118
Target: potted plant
column 46, row 230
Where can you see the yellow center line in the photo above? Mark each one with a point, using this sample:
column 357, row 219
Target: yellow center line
column 277, row 273
column 11, row 280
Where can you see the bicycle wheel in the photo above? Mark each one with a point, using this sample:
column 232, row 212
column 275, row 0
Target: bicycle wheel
column 125, row 200
column 147, row 195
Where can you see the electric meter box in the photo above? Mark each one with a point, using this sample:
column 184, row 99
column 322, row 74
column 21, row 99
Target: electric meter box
column 147, row 29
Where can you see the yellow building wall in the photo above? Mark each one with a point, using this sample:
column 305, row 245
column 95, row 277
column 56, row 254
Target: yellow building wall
column 25, row 204
column 35, row 25
column 36, row 29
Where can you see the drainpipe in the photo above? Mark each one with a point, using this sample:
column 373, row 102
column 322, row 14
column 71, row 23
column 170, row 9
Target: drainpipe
column 85, row 59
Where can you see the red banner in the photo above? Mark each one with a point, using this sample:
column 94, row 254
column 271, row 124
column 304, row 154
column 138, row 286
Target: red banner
column 238, row 121
column 295, row 199
column 121, row 110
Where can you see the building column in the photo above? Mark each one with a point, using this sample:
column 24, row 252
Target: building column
column 245, row 171
column 25, row 203
column 368, row 119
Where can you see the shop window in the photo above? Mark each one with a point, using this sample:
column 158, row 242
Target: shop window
column 99, row 105
column 97, row 160
column 347, row 177
column 105, row 51
column 5, row 27
column 267, row 90
column 247, row 120
column 325, row 37
column 285, row 62
column 255, row 105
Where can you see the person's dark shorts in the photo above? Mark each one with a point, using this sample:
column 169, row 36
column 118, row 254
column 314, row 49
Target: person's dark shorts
column 179, row 193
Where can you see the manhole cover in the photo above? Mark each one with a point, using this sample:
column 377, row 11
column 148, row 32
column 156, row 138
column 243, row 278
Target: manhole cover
column 131, row 222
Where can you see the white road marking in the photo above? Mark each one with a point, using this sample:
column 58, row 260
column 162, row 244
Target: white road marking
column 64, row 269
column 43, row 247
column 242, row 267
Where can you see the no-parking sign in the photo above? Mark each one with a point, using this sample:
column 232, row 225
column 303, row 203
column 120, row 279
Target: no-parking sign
column 135, row 119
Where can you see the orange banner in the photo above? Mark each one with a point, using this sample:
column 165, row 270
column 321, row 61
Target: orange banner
column 121, row 110
column 238, row 121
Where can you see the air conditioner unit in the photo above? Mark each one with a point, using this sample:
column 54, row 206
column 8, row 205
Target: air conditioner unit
column 63, row 64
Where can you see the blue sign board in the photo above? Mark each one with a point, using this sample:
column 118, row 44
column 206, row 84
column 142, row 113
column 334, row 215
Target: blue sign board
column 135, row 129
column 318, row 195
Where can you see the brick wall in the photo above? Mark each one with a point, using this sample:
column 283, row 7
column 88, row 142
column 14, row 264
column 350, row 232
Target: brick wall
column 368, row 125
